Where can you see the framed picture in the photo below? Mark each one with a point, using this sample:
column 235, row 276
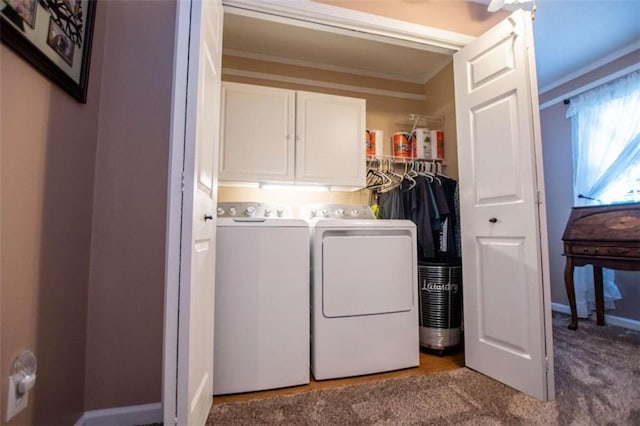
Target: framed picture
column 54, row 36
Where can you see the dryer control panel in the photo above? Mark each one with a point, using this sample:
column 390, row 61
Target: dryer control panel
column 255, row 210
column 337, row 211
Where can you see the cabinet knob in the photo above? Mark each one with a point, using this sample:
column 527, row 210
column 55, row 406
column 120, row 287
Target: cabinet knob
column 207, row 217
column 493, row 220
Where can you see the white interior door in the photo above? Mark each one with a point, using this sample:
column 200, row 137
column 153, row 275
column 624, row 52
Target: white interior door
column 507, row 312
column 189, row 322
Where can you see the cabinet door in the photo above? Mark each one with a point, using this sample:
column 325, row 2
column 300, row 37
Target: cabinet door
column 330, row 140
column 257, row 127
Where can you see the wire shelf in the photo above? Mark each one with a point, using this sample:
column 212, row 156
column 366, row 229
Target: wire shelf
column 421, row 120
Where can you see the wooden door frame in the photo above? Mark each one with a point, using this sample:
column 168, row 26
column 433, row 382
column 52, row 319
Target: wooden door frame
column 303, row 13
column 309, row 14
column 174, row 206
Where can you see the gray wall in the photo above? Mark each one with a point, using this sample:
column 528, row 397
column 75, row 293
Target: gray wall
column 558, row 172
column 126, row 286
column 82, row 202
column 47, row 169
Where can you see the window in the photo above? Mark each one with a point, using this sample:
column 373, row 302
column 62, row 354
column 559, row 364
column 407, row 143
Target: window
column 606, row 164
column 606, row 142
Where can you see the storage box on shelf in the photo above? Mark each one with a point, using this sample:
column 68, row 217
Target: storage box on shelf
column 421, row 137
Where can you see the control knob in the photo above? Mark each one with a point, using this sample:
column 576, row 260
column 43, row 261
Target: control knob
column 340, row 212
column 250, row 211
column 220, row 211
column 354, row 212
column 279, row 212
column 313, row 213
column 232, row 211
column 267, row 212
column 325, row 213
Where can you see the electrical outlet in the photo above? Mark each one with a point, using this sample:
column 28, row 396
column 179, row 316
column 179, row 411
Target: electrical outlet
column 21, row 380
column 15, row 402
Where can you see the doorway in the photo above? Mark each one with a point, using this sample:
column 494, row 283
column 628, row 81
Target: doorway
column 393, row 75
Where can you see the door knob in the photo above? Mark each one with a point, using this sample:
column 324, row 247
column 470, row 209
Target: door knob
column 207, row 217
column 493, row 220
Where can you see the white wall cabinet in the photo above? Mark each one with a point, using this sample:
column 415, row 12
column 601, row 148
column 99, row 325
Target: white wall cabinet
column 285, row 136
column 330, row 139
column 257, row 134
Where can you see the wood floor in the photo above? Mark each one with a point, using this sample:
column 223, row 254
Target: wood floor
column 428, row 364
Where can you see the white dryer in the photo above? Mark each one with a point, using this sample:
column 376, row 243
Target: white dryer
column 364, row 292
column 261, row 338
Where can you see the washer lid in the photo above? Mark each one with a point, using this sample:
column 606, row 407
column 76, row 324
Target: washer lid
column 362, row 223
column 257, row 222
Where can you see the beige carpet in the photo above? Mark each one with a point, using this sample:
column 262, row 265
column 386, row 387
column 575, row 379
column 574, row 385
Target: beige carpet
column 597, row 382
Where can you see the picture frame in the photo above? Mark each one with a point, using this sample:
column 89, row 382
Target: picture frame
column 54, row 36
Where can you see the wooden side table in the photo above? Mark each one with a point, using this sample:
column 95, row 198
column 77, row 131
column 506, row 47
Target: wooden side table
column 605, row 237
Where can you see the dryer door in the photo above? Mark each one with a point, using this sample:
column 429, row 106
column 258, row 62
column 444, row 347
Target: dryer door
column 367, row 272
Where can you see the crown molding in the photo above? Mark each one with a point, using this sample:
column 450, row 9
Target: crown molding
column 324, row 84
column 323, row 66
column 591, row 67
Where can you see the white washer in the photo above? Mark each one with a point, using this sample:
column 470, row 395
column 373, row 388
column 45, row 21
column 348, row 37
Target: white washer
column 261, row 336
column 364, row 296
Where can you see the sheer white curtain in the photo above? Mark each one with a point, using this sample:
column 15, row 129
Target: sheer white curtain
column 606, row 154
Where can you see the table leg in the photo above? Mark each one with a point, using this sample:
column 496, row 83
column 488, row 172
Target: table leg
column 599, row 290
column 571, row 293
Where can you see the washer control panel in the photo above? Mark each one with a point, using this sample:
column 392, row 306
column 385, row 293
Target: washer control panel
column 254, row 210
column 337, row 211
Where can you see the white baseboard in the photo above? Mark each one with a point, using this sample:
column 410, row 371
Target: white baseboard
column 631, row 324
column 123, row 416
column 557, row 307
